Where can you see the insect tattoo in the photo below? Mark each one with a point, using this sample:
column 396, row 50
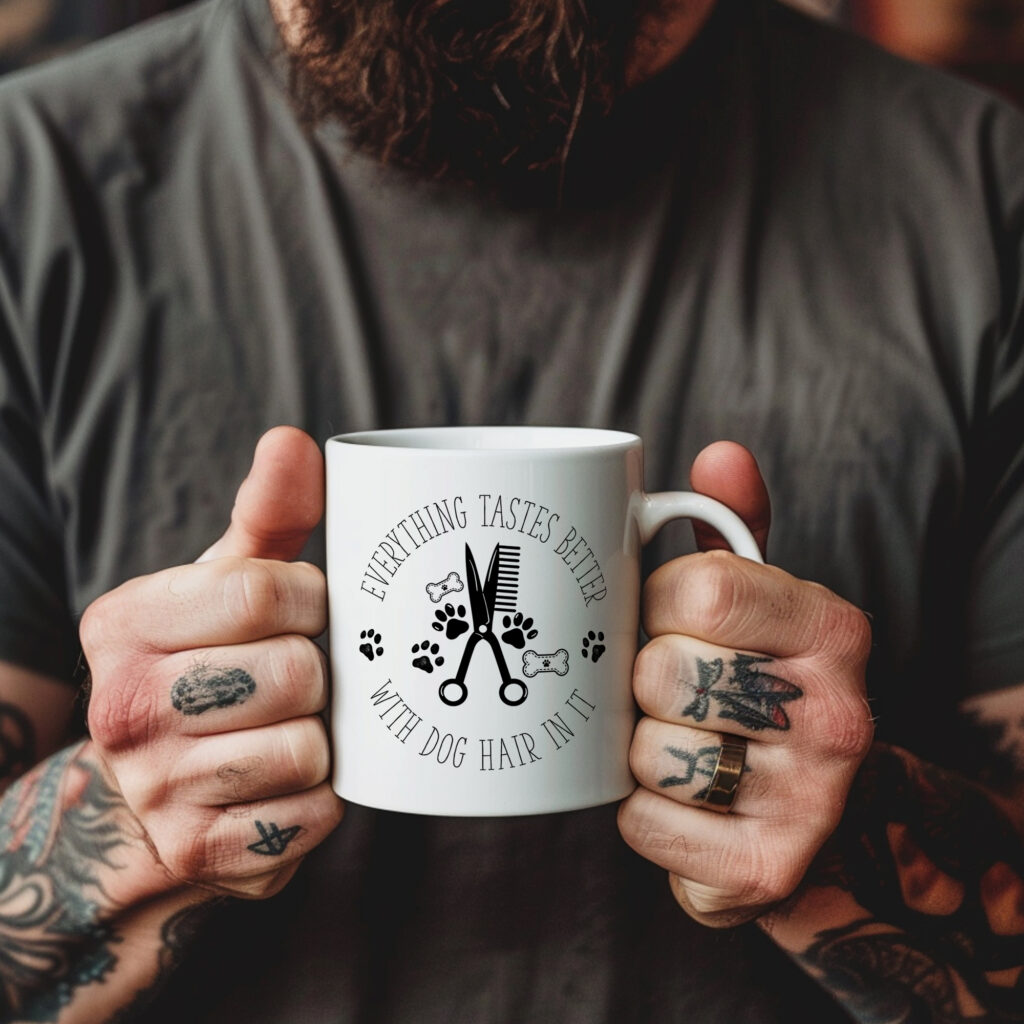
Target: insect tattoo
column 745, row 694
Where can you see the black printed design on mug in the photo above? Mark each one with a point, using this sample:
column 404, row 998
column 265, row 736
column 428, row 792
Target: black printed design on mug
column 451, row 621
column 498, row 593
column 534, row 663
column 593, row 646
column 517, row 630
column 466, row 608
column 425, row 656
column 370, row 647
column 452, row 584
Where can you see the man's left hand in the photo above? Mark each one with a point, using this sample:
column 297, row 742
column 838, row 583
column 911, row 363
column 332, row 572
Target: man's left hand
column 749, row 651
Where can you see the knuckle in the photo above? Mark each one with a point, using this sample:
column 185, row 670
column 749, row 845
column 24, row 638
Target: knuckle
column 251, row 593
column 103, row 628
column 298, row 670
column 315, row 576
column 92, row 630
column 844, row 726
column 639, row 756
column 220, row 853
column 124, row 713
column 148, row 794
column 654, row 835
column 763, row 878
column 637, row 825
column 860, row 635
column 108, row 625
column 262, row 887
column 307, row 589
column 711, row 593
column 304, row 752
column 655, row 672
column 705, row 899
column 713, row 907
column 244, row 778
column 844, row 631
column 191, row 855
column 769, row 888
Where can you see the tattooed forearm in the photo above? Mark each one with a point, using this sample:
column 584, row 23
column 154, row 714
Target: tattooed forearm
column 883, row 977
column 205, row 688
column 741, row 692
column 940, row 867
column 176, row 938
column 17, row 743
column 59, row 826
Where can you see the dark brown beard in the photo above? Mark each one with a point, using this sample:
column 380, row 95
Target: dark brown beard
column 484, row 92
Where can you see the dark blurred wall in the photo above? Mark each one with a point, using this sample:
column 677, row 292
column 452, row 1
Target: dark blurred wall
column 32, row 30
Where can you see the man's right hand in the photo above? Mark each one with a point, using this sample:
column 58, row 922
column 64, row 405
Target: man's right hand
column 207, row 688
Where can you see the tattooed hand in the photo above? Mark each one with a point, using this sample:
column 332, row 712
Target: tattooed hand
column 206, row 689
column 749, row 650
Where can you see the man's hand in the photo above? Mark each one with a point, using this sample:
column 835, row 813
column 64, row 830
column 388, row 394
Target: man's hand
column 207, row 686
column 748, row 650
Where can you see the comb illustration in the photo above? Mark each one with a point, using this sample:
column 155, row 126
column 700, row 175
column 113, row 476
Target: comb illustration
column 498, row 593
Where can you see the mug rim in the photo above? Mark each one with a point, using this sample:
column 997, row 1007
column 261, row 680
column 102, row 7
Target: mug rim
column 456, row 440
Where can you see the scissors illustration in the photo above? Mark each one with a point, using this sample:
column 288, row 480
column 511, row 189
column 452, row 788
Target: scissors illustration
column 499, row 593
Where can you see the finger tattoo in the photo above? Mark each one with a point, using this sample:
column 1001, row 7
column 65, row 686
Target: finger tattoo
column 700, row 763
column 243, row 776
column 203, row 688
column 744, row 694
column 273, row 841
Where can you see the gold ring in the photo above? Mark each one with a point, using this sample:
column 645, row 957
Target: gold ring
column 725, row 783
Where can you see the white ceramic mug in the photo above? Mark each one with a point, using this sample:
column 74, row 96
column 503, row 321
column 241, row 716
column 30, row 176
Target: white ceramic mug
column 484, row 588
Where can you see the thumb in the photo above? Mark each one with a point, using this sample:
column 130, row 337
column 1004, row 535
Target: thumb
column 728, row 472
column 279, row 502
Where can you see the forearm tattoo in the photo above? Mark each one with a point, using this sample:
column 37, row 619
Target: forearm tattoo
column 885, row 977
column 204, row 688
column 17, row 743
column 176, row 938
column 741, row 692
column 58, row 827
column 940, row 867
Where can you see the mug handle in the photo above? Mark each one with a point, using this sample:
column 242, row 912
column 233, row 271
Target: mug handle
column 655, row 510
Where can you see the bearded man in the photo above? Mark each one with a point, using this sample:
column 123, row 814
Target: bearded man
column 694, row 220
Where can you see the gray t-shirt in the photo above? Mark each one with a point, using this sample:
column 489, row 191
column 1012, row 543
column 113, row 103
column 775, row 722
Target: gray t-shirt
column 790, row 239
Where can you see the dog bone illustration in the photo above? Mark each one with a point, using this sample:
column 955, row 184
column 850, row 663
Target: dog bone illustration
column 534, row 663
column 452, row 585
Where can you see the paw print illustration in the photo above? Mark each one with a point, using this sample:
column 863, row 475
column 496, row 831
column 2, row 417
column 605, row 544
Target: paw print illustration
column 370, row 648
column 593, row 647
column 517, row 630
column 427, row 659
column 451, row 621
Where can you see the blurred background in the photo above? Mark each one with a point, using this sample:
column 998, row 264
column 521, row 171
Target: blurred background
column 982, row 39
column 33, row 30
